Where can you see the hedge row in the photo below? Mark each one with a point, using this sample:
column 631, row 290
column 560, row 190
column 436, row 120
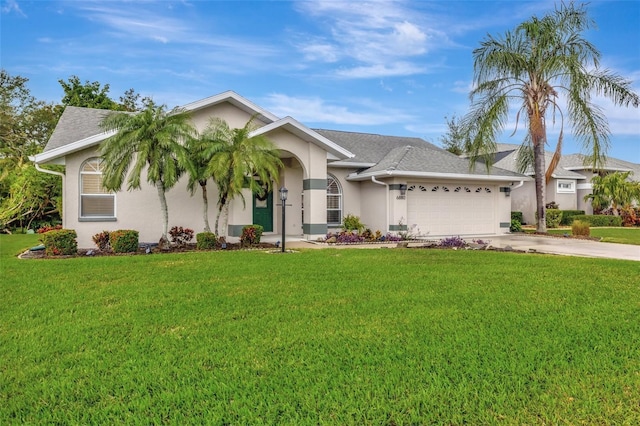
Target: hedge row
column 568, row 216
column 599, row 220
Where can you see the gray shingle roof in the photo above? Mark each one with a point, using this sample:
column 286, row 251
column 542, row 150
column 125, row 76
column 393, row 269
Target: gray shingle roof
column 507, row 154
column 405, row 154
column 75, row 124
column 423, row 159
column 368, row 147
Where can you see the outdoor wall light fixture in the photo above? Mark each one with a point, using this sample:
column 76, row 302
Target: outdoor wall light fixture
column 283, row 197
column 403, row 189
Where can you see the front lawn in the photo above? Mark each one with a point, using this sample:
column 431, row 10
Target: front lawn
column 388, row 336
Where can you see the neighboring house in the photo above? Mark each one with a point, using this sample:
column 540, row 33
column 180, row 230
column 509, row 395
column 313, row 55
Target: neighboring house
column 570, row 182
column 392, row 183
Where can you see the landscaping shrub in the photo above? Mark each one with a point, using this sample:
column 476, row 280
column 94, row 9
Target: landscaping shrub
column 352, row 222
column 553, row 218
column 516, row 226
column 102, row 240
column 251, row 235
column 47, row 228
column 517, row 216
column 393, row 237
column 630, row 216
column 124, row 241
column 580, row 228
column 180, row 236
column 346, row 237
column 452, row 242
column 567, row 216
column 600, row 220
column 368, row 235
column 60, row 242
column 351, row 237
column 206, row 241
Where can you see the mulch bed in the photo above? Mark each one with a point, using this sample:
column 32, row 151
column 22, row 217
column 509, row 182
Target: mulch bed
column 187, row 248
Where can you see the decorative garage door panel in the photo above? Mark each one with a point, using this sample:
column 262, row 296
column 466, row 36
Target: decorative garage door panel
column 451, row 209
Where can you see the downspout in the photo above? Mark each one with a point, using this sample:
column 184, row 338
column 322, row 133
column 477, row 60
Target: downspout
column 518, row 185
column 374, row 180
column 53, row 172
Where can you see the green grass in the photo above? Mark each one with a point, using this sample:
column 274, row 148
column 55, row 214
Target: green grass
column 319, row 337
column 609, row 235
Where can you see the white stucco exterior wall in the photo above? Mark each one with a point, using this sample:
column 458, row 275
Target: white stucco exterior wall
column 136, row 209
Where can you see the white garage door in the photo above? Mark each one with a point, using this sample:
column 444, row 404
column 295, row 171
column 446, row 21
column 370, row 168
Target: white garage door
column 451, row 209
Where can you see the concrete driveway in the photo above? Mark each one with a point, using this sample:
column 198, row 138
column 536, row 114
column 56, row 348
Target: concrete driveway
column 567, row 246
column 520, row 242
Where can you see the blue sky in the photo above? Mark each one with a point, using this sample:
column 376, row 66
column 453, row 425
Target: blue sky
column 382, row 67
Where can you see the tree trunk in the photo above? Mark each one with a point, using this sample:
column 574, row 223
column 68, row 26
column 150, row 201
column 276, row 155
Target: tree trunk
column 225, row 223
column 538, row 136
column 164, row 240
column 205, row 207
column 216, row 225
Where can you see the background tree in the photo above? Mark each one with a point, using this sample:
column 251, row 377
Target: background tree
column 455, row 138
column 240, row 160
column 614, row 191
column 531, row 66
column 88, row 95
column 132, row 101
column 33, row 199
column 25, row 127
column 152, row 141
column 94, row 95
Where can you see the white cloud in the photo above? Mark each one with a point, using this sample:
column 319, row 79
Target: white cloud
column 12, row 6
column 136, row 22
column 381, row 70
column 383, row 38
column 320, row 51
column 316, row 110
column 463, row 87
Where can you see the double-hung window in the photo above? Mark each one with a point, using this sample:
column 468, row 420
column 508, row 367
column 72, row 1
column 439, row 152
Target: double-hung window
column 96, row 203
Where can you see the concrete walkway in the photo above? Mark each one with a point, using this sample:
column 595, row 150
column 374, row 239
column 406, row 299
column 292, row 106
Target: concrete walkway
column 519, row 242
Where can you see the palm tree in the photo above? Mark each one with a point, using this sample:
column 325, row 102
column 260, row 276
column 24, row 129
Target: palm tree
column 201, row 150
column 240, row 160
column 531, row 66
column 613, row 190
column 152, row 139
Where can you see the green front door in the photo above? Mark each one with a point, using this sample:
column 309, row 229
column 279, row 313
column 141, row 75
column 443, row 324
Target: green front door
column 263, row 211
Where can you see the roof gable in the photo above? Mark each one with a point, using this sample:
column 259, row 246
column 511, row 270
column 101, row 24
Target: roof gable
column 76, row 124
column 236, row 100
column 303, row 132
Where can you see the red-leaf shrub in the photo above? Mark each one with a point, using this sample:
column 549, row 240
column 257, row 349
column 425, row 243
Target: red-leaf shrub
column 180, row 236
column 59, row 242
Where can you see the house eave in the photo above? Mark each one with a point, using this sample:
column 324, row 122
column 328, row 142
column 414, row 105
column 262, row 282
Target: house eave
column 351, row 165
column 56, row 153
column 434, row 175
column 606, row 169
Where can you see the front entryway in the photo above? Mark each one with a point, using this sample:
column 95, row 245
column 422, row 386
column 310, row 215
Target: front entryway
column 263, row 211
